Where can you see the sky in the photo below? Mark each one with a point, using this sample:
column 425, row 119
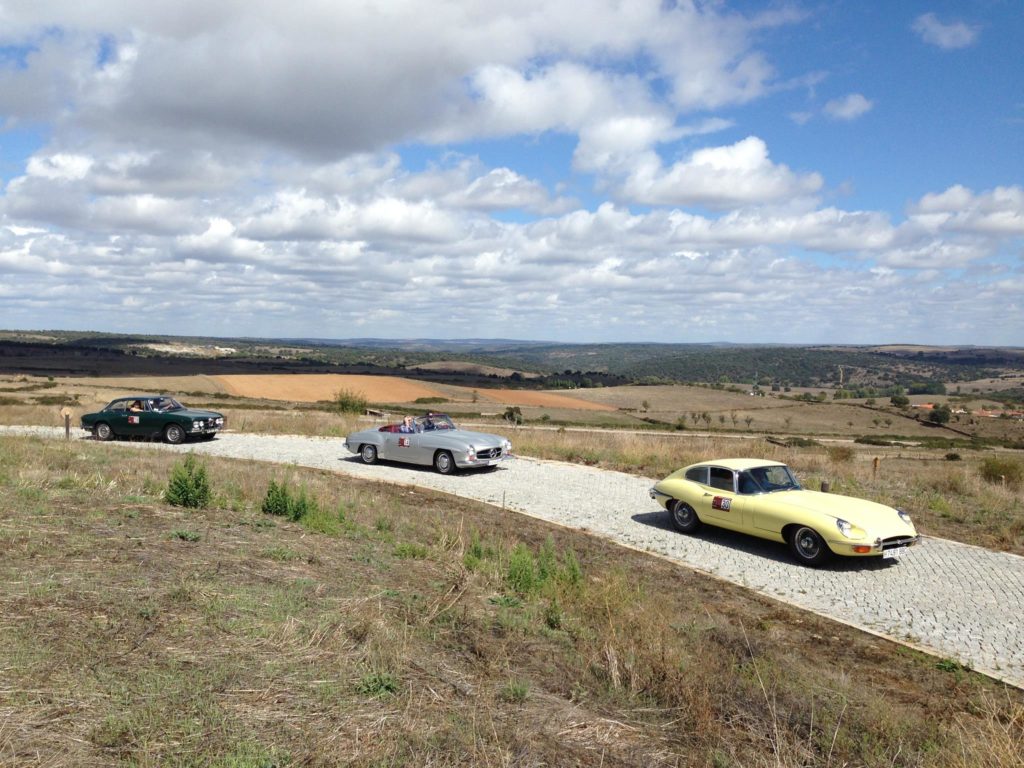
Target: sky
column 568, row 170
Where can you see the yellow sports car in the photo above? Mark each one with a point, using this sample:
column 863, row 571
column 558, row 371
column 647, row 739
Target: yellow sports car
column 763, row 498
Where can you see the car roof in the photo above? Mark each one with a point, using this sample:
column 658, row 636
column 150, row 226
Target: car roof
column 738, row 464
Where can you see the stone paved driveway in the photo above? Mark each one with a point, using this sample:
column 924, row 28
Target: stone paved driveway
column 955, row 600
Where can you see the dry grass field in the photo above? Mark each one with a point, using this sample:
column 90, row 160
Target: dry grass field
column 402, row 628
column 950, row 498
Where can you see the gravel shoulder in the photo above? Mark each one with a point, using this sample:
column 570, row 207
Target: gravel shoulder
column 954, row 600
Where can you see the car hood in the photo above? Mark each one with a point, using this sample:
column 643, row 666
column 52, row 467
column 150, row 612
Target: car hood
column 860, row 512
column 193, row 413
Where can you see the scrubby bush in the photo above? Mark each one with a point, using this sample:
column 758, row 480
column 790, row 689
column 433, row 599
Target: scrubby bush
column 188, row 486
column 997, row 469
column 349, row 401
column 840, row 453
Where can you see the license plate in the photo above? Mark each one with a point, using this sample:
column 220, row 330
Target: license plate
column 894, row 554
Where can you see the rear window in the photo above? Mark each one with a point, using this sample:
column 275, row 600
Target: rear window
column 698, row 475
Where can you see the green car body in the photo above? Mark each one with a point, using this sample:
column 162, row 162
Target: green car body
column 764, row 499
column 152, row 416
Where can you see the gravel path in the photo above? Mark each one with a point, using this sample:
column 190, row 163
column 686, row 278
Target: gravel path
column 955, row 600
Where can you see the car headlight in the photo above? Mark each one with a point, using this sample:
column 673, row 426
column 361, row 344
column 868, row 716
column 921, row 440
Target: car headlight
column 904, row 516
column 845, row 528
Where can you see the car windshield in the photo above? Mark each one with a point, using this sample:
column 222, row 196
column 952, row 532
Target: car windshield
column 433, row 421
column 768, row 480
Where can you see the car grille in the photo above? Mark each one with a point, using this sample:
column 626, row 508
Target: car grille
column 898, row 541
column 488, row 453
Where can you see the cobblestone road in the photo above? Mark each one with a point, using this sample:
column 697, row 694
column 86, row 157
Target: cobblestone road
column 956, row 600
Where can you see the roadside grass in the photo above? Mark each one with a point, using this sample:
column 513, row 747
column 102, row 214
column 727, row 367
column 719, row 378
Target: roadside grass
column 421, row 630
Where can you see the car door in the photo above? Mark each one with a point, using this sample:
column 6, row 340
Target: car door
column 149, row 422
column 720, row 504
column 116, row 415
column 402, row 446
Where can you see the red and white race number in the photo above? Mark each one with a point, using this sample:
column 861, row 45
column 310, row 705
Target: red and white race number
column 722, row 503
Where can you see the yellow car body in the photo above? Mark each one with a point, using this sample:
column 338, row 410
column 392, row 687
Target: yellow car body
column 764, row 499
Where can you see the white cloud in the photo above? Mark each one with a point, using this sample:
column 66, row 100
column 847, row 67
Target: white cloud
column 946, row 36
column 347, row 167
column 849, row 107
column 718, row 177
column 958, row 209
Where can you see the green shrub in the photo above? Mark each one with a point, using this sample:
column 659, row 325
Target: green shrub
column 280, row 501
column 410, row 551
column 276, row 501
column 304, row 506
column 188, row 486
column 521, row 574
column 996, row 468
column 430, row 400
column 349, row 401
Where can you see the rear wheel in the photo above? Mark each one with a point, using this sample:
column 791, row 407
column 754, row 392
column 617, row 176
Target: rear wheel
column 684, row 518
column 104, row 432
column 807, row 546
column 444, row 463
column 368, row 454
column 174, row 434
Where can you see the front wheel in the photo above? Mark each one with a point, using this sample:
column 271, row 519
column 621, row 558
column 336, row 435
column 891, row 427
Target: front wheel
column 684, row 518
column 104, row 432
column 368, row 454
column 174, row 434
column 444, row 463
column 807, row 546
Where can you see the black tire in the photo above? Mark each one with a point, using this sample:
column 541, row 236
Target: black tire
column 174, row 434
column 104, row 432
column 368, row 453
column 684, row 518
column 444, row 462
column 807, row 546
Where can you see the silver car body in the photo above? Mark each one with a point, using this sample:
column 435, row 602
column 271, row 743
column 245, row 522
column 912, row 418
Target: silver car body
column 433, row 437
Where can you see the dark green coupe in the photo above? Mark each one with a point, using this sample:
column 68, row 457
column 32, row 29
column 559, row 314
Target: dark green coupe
column 150, row 416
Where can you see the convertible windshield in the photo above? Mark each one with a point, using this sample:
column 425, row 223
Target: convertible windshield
column 433, row 421
column 768, row 480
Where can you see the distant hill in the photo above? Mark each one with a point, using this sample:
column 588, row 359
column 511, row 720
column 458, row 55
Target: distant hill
column 513, row 362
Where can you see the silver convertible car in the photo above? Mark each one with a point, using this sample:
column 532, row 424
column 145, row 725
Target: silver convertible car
column 431, row 439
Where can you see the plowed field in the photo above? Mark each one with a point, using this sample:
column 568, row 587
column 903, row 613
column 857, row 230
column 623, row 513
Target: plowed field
column 302, row 387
